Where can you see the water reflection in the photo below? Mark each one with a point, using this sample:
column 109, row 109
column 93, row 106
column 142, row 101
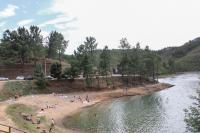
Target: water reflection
column 159, row 112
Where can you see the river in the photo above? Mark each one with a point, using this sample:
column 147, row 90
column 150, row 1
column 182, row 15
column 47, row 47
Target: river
column 160, row 112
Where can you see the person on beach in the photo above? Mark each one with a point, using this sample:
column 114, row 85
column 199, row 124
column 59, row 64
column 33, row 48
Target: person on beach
column 38, row 120
column 32, row 119
column 87, row 99
column 80, row 99
column 52, row 125
column 126, row 90
column 73, row 100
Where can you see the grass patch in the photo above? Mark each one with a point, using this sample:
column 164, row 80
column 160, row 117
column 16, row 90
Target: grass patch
column 11, row 88
column 21, row 88
column 14, row 112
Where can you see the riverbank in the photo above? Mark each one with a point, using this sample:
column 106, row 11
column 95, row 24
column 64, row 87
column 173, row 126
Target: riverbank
column 63, row 105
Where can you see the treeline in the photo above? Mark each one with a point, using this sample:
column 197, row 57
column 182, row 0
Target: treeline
column 28, row 45
column 134, row 63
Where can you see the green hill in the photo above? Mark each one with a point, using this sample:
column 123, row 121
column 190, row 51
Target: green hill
column 185, row 57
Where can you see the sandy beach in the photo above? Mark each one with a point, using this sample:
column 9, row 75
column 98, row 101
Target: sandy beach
column 62, row 105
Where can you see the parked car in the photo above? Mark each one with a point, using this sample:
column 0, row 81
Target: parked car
column 20, row 78
column 3, row 78
column 49, row 77
column 29, row 77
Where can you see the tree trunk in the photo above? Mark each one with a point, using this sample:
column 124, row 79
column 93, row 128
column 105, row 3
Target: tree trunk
column 153, row 72
column 98, row 82
column 59, row 56
column 157, row 72
column 106, row 80
column 113, row 85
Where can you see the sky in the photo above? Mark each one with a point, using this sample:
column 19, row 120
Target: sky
column 156, row 23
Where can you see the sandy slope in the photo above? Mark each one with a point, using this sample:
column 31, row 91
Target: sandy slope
column 64, row 107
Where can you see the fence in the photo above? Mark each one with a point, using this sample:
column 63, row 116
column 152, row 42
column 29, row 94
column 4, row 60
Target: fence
column 9, row 129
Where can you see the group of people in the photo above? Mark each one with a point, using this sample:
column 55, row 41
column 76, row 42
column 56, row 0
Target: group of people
column 80, row 99
column 30, row 118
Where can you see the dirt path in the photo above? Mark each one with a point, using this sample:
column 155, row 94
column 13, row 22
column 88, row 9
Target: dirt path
column 61, row 105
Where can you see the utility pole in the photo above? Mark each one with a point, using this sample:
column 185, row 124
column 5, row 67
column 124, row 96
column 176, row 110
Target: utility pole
column 45, row 67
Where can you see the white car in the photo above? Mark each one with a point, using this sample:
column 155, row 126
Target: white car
column 20, row 78
column 49, row 77
column 3, row 78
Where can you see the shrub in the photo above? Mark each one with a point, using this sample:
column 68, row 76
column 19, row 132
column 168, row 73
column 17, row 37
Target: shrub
column 56, row 70
column 40, row 77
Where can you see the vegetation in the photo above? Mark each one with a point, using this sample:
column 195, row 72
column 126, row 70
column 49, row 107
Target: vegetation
column 131, row 62
column 56, row 45
column 192, row 115
column 183, row 58
column 21, row 88
column 56, row 70
column 14, row 112
column 85, row 56
column 12, row 88
column 40, row 77
column 124, row 63
column 73, row 71
column 105, row 64
column 28, row 45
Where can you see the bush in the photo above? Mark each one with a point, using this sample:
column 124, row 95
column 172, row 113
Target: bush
column 41, row 84
column 39, row 76
column 72, row 72
column 56, row 70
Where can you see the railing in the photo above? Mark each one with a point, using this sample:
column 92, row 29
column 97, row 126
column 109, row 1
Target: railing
column 9, row 129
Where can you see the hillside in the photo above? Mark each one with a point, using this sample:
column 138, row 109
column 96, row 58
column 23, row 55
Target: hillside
column 185, row 57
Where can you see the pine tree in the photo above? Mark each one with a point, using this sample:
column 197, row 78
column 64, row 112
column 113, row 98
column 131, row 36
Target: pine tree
column 105, row 63
column 85, row 55
column 39, row 76
column 125, row 61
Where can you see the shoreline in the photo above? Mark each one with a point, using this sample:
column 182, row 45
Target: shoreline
column 145, row 90
column 65, row 108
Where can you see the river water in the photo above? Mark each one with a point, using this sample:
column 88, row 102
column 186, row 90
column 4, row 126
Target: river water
column 160, row 112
